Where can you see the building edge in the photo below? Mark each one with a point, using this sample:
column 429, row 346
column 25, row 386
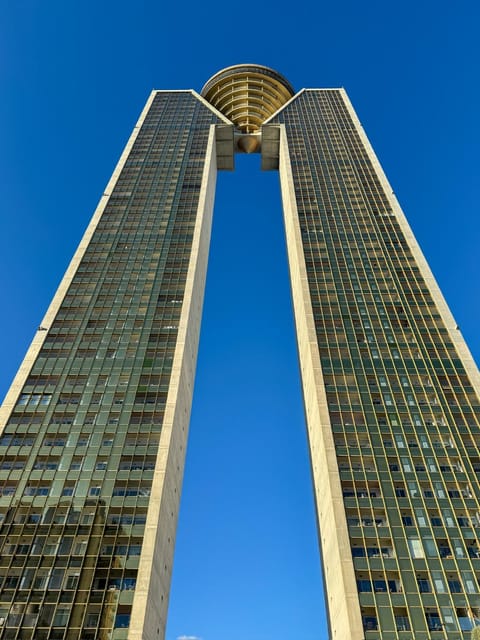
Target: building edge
column 150, row 604
column 420, row 260
column 341, row 596
column 42, row 331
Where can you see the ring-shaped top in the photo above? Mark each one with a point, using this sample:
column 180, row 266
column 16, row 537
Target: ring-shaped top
column 247, row 94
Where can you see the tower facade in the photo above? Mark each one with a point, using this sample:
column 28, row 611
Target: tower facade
column 94, row 427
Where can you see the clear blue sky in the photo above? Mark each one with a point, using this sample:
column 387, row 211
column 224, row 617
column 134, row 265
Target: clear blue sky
column 74, row 77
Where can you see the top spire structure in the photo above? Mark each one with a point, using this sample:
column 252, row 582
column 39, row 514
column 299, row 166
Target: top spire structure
column 247, row 94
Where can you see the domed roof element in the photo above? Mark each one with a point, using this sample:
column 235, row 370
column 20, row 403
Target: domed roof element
column 247, row 94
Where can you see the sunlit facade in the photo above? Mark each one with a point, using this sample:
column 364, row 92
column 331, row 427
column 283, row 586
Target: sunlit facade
column 95, row 424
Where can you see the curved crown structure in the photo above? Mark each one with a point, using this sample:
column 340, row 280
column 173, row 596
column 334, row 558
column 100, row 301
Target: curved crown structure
column 247, row 94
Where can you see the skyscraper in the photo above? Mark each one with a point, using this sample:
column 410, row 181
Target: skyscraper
column 97, row 418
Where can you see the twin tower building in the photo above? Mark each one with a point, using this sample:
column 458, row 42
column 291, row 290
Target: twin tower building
column 94, row 427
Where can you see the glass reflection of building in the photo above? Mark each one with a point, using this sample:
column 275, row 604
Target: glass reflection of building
column 97, row 418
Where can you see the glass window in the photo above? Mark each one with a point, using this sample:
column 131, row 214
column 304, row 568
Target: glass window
column 61, row 617
column 370, row 623
column 430, row 547
column 439, row 490
column 424, row 442
column 91, row 619
column 15, row 615
column 416, row 549
column 433, row 620
column 364, row 586
column 438, row 582
column 50, row 548
column 424, row 585
column 447, row 515
column 11, row 582
column 413, row 488
column 449, row 619
column 72, row 581
column 402, row 623
column 421, row 519
column 122, row 620
column 469, row 582
column 400, row 441
column 454, row 585
column 458, row 548
column 380, row 586
column 80, row 548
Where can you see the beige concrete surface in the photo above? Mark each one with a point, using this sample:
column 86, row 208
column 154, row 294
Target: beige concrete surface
column 342, row 597
column 150, row 604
